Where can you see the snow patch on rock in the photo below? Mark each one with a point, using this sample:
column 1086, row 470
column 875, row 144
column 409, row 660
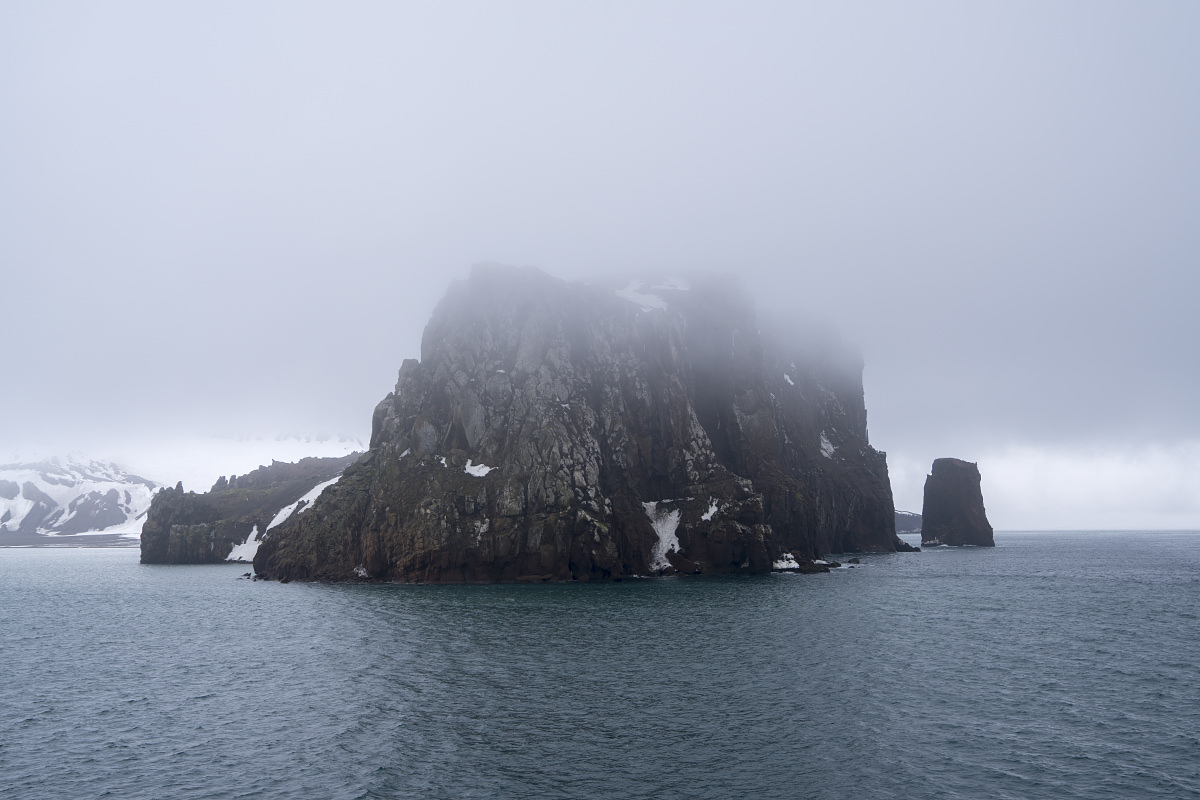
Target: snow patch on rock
column 303, row 503
column 478, row 470
column 787, row 562
column 246, row 550
column 648, row 302
column 665, row 524
column 644, row 295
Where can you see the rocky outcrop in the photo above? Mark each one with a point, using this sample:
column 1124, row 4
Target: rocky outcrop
column 953, row 511
column 556, row 431
column 227, row 521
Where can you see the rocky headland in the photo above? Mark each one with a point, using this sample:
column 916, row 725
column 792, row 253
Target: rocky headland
column 555, row 431
column 227, row 522
column 953, row 512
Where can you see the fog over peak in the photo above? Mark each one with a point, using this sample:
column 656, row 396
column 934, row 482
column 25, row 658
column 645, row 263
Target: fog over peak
column 224, row 222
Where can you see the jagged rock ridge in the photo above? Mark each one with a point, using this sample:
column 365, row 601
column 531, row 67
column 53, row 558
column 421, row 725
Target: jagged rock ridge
column 556, row 431
column 227, row 522
column 953, row 512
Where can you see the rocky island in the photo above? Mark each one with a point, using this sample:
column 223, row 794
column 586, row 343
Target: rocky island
column 953, row 512
column 563, row 431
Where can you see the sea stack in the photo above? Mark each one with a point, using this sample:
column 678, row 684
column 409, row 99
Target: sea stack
column 953, row 510
column 567, row 431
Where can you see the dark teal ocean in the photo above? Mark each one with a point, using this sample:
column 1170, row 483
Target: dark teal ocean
column 1057, row 665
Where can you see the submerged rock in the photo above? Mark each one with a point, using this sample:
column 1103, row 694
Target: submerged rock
column 953, row 512
column 556, row 431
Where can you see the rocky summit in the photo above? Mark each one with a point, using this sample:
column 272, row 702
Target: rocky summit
column 953, row 512
column 563, row 431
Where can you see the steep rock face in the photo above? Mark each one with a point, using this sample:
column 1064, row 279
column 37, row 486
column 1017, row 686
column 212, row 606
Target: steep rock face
column 557, row 431
column 953, row 511
column 227, row 521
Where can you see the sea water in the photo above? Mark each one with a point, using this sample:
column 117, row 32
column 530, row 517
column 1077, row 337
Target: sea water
column 1056, row 665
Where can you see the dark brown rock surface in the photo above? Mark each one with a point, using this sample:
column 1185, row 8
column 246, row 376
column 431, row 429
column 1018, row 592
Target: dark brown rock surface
column 953, row 511
column 189, row 528
column 556, row 431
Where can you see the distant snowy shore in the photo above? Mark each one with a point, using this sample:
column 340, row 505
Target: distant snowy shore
column 75, row 500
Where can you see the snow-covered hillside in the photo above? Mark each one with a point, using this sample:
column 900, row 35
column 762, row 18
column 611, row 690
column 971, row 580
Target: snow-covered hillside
column 908, row 522
column 60, row 497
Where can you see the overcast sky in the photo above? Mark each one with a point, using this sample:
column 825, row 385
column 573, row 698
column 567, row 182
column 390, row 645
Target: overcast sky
column 234, row 219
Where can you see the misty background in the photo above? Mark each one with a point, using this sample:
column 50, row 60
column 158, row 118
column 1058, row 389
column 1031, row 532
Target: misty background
column 227, row 223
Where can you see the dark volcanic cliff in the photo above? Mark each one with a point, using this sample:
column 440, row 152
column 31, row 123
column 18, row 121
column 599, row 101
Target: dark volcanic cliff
column 557, row 431
column 188, row 528
column 953, row 512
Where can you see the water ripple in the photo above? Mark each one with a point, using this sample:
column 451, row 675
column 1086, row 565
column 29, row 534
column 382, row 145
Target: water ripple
column 1055, row 666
